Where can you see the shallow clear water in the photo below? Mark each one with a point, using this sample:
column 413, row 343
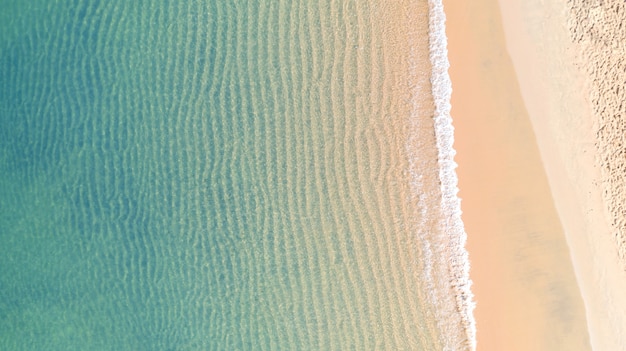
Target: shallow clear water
column 203, row 175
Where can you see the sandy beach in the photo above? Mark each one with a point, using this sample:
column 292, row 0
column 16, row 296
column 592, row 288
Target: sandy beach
column 282, row 175
column 568, row 60
column 526, row 289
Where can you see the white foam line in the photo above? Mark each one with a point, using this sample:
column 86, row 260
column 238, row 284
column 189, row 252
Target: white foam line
column 451, row 204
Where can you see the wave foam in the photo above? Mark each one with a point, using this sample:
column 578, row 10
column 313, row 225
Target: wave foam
column 451, row 204
column 446, row 270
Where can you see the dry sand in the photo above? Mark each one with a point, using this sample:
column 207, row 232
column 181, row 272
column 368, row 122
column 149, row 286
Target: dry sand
column 569, row 58
column 526, row 291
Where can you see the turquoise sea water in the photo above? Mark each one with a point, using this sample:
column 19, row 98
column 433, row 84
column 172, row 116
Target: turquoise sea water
column 201, row 175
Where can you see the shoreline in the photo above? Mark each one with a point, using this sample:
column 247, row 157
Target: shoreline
column 527, row 296
column 458, row 260
column 422, row 103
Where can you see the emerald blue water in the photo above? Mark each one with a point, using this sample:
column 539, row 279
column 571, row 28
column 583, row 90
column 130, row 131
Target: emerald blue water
column 176, row 175
column 119, row 190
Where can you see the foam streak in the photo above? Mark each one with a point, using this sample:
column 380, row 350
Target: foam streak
column 458, row 260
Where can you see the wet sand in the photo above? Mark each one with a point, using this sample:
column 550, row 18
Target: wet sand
column 526, row 291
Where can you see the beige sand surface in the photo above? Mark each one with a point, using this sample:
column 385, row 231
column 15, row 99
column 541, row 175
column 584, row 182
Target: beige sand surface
column 563, row 83
column 526, row 291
